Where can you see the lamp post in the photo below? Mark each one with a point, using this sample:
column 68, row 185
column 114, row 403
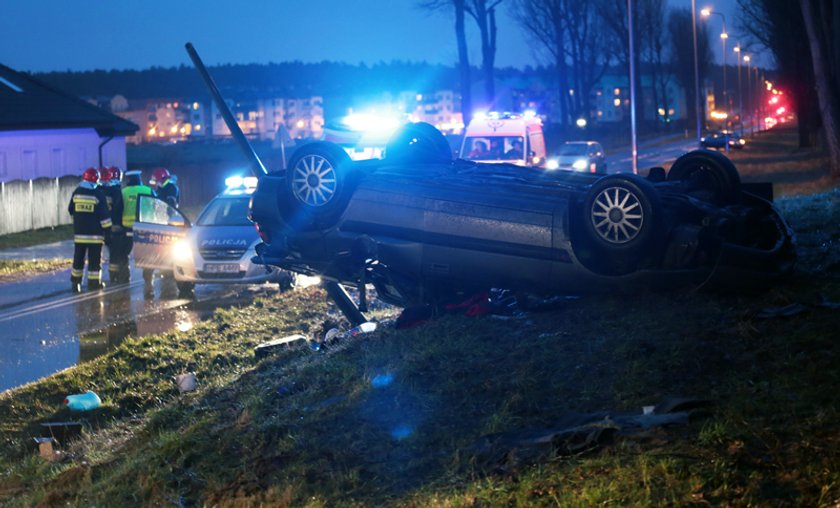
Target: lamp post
column 723, row 36
column 749, row 90
column 696, row 69
column 737, row 50
column 634, row 147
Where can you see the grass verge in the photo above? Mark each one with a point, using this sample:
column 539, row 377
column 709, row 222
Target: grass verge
column 36, row 237
column 12, row 270
column 393, row 419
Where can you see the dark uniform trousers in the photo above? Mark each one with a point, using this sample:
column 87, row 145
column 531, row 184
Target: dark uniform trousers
column 93, row 251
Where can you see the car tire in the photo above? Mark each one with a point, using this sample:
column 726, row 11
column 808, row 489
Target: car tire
column 185, row 289
column 710, row 172
column 620, row 220
column 418, row 142
column 319, row 182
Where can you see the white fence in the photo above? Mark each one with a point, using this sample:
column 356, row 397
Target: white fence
column 34, row 204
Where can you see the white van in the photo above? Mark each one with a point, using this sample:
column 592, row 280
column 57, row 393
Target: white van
column 505, row 137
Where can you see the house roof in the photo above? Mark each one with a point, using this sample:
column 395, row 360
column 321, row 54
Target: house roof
column 29, row 104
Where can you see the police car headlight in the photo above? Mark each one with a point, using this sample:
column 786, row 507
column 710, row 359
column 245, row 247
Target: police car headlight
column 182, row 251
column 580, row 164
column 552, row 164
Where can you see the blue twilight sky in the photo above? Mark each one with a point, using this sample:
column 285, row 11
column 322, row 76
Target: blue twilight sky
column 45, row 35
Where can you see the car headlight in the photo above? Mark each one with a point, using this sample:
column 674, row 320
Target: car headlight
column 580, row 164
column 702, row 139
column 742, row 141
column 552, row 164
column 181, row 251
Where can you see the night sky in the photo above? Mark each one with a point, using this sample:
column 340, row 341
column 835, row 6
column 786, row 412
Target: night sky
column 45, row 35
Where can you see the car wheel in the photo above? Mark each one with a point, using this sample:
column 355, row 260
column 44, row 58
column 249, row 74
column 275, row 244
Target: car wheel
column 620, row 219
column 185, row 289
column 712, row 173
column 418, row 142
column 319, row 182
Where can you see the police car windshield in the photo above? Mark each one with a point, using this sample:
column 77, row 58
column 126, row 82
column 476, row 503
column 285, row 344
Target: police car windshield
column 226, row 212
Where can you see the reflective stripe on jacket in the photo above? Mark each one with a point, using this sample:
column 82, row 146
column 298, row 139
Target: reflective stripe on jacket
column 91, row 217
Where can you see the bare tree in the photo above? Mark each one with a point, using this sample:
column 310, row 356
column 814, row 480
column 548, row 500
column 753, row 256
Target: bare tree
column 778, row 25
column 484, row 14
column 817, row 18
column 654, row 44
column 544, row 23
column 459, row 8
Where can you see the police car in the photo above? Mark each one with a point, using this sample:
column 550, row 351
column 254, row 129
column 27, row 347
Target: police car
column 217, row 249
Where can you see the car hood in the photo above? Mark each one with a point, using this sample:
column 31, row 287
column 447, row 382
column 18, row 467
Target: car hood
column 569, row 159
column 224, row 237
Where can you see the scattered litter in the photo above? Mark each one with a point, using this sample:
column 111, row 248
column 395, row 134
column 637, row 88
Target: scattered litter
column 266, row 348
column 581, row 432
column 61, row 431
column 185, row 382
column 332, row 336
column 785, row 311
column 83, row 401
column 46, row 448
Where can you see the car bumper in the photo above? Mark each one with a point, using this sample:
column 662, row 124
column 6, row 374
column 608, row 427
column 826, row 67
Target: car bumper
column 234, row 271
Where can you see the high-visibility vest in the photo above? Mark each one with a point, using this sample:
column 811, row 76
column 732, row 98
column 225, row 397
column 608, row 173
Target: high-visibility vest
column 129, row 195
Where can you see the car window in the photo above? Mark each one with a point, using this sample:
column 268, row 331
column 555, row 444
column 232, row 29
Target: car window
column 572, row 149
column 152, row 210
column 494, row 148
column 225, row 212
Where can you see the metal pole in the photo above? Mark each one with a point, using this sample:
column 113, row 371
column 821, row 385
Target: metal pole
column 634, row 147
column 740, row 89
column 696, row 68
column 749, row 92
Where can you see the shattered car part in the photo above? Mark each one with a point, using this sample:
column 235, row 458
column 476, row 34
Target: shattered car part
column 421, row 227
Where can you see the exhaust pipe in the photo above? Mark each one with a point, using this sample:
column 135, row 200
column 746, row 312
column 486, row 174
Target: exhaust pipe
column 257, row 167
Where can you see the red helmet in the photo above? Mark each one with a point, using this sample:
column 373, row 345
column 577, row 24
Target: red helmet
column 116, row 173
column 104, row 175
column 90, row 175
column 159, row 176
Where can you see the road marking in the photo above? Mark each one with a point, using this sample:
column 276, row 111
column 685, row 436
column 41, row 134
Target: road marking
column 69, row 300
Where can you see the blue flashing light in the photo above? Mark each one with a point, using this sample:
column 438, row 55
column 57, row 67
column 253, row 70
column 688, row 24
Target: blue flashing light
column 233, row 182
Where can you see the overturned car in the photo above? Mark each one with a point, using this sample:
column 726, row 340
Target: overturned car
column 422, row 227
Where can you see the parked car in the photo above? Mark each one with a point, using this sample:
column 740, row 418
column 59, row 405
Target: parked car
column 585, row 156
column 719, row 139
column 423, row 228
column 217, row 249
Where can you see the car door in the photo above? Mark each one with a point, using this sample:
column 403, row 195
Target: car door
column 157, row 227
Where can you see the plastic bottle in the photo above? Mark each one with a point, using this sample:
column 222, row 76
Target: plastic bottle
column 83, row 401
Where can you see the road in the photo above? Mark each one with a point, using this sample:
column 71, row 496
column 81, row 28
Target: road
column 651, row 153
column 45, row 328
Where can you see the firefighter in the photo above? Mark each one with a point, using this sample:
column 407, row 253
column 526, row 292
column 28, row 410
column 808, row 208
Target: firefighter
column 91, row 228
column 166, row 186
column 133, row 187
column 110, row 179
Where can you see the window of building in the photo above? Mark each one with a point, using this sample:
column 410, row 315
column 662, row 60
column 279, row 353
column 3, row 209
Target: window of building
column 57, row 164
column 3, row 169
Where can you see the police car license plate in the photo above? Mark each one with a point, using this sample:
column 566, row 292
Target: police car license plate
column 221, row 267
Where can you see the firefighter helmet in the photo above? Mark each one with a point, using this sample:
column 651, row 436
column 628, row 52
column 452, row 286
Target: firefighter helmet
column 159, row 176
column 90, row 175
column 104, row 175
column 116, row 173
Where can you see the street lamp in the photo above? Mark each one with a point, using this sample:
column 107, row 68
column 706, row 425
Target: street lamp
column 723, row 36
column 696, row 69
column 737, row 50
column 749, row 90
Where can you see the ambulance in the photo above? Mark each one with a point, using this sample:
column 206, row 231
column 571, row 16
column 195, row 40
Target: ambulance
column 505, row 138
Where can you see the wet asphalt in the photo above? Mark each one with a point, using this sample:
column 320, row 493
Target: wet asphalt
column 45, row 328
